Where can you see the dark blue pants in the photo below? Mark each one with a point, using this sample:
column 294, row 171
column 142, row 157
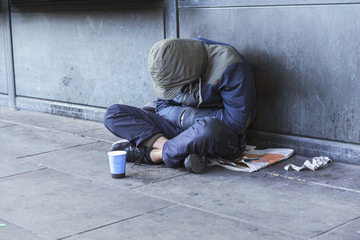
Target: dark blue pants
column 206, row 137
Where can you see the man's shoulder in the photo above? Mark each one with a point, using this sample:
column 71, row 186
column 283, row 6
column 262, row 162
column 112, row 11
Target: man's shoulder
column 222, row 54
column 220, row 57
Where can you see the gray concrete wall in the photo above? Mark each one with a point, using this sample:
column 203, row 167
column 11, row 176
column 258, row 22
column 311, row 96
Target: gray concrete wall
column 305, row 58
column 90, row 58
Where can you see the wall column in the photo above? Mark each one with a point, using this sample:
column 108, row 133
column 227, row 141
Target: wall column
column 171, row 19
column 9, row 61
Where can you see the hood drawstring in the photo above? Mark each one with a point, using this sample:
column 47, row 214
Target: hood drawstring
column 200, row 96
column 190, row 88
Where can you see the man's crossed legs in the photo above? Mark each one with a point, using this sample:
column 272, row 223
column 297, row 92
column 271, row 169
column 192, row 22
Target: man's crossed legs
column 156, row 139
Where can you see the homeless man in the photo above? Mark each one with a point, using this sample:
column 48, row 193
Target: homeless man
column 206, row 100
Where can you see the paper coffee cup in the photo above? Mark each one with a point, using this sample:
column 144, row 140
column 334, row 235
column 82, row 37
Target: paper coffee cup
column 117, row 162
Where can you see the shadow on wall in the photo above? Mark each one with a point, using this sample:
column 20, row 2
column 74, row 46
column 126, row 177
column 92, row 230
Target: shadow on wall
column 280, row 94
column 294, row 96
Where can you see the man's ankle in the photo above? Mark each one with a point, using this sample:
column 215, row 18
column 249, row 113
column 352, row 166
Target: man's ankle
column 156, row 155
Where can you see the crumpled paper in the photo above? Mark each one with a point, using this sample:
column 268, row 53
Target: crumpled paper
column 317, row 162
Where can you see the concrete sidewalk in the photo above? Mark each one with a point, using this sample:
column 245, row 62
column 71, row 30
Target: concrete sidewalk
column 55, row 184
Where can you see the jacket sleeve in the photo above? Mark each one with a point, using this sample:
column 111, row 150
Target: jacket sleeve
column 237, row 91
column 170, row 110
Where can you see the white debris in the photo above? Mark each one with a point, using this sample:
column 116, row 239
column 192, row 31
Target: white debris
column 317, row 162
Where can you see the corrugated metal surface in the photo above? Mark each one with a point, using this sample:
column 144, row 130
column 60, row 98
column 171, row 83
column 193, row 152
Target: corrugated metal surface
column 78, row 2
column 95, row 59
column 258, row 3
column 305, row 60
column 69, row 5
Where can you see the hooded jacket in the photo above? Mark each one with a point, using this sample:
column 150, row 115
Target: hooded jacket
column 224, row 90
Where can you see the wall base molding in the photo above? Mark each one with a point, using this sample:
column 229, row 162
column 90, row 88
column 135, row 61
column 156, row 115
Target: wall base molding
column 4, row 100
column 61, row 109
column 311, row 147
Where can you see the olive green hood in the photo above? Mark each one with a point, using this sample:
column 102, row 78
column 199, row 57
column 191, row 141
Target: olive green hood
column 174, row 63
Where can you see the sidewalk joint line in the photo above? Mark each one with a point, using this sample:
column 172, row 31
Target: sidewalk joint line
column 21, row 173
column 56, row 130
column 335, row 187
column 122, row 220
column 56, row 150
column 336, row 227
column 218, row 214
column 7, row 126
column 314, row 183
